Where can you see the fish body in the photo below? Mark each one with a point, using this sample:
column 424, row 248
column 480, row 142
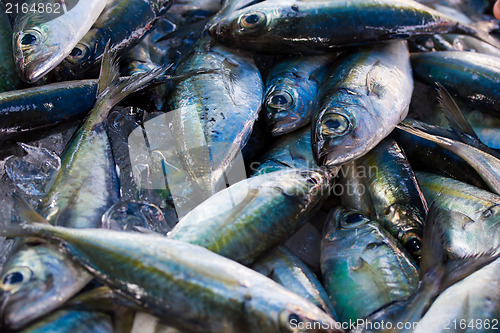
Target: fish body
column 215, row 111
column 85, row 186
column 72, row 321
column 32, row 110
column 312, row 26
column 122, row 24
column 254, row 215
column 291, row 92
column 470, row 75
column 471, row 226
column 292, row 150
column 189, row 287
column 41, row 44
column 289, row 271
column 9, row 78
column 363, row 267
column 398, row 203
column 472, row 304
column 364, row 96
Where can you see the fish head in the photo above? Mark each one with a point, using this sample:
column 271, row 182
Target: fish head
column 35, row 281
column 299, row 319
column 344, row 130
column 283, row 109
column 36, row 50
column 241, row 26
column 345, row 219
column 411, row 222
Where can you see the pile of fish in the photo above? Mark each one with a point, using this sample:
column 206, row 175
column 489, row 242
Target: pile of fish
column 249, row 166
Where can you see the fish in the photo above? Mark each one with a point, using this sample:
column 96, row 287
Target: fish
column 213, row 114
column 9, row 78
column 472, row 305
column 42, row 41
column 325, row 25
column 396, row 199
column 189, row 287
column 260, row 213
column 437, row 272
column 85, row 186
column 292, row 150
column 122, row 24
column 470, row 215
column 363, row 266
column 470, row 75
column 291, row 92
column 362, row 99
column 75, row 321
column 483, row 159
column 284, row 267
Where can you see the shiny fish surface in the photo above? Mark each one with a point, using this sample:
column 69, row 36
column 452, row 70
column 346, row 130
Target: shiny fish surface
column 326, row 24
column 364, row 96
column 186, row 285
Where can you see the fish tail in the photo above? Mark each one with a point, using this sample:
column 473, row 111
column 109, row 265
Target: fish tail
column 112, row 89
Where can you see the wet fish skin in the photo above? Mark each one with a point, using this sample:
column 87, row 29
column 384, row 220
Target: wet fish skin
column 291, row 92
column 218, row 295
column 253, row 223
column 425, row 155
column 476, row 300
column 285, row 268
column 26, row 112
column 364, row 96
column 292, row 150
column 72, row 321
column 363, row 266
column 121, row 23
column 9, row 79
column 33, row 278
column 216, row 110
column 39, row 46
column 84, row 188
column 472, row 76
column 324, row 25
column 471, row 224
column 399, row 204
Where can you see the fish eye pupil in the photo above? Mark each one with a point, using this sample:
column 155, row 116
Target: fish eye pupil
column 414, row 244
column 77, row 52
column 294, row 318
column 13, row 278
column 333, row 123
column 252, row 19
column 279, row 100
column 354, row 218
column 28, row 39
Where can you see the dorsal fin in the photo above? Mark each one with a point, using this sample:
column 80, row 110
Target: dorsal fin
column 26, row 211
column 456, row 119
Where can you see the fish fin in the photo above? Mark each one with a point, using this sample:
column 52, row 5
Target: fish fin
column 433, row 238
column 412, row 129
column 458, row 269
column 455, row 117
column 147, row 231
column 26, row 211
column 109, row 70
column 373, row 87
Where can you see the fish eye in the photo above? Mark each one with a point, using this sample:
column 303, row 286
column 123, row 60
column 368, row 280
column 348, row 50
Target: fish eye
column 413, row 243
column 252, row 21
column 289, row 321
column 353, row 220
column 78, row 53
column 15, row 278
column 30, row 38
column 280, row 100
column 334, row 124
